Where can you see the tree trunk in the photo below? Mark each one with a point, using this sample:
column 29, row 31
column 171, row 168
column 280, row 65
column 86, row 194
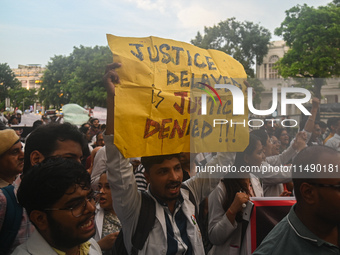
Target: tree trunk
column 318, row 82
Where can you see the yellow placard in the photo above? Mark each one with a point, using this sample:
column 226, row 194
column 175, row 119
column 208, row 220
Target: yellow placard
column 165, row 87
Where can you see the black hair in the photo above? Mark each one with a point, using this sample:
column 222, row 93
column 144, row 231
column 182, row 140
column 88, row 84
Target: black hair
column 92, row 120
column 307, row 157
column 262, row 134
column 84, row 124
column 148, row 162
column 12, row 118
column 44, row 139
column 48, row 181
column 84, row 129
column 331, row 122
column 322, row 124
column 239, row 160
column 269, row 119
column 278, row 132
column 99, row 133
column 36, row 124
column 317, row 123
column 233, row 186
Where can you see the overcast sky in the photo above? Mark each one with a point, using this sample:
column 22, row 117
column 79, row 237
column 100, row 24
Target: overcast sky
column 33, row 31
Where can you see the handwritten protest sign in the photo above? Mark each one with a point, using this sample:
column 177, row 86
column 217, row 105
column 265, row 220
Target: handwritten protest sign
column 167, row 101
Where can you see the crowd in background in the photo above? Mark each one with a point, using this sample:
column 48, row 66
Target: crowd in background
column 222, row 225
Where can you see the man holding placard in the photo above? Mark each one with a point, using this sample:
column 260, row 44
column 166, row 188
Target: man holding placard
column 175, row 230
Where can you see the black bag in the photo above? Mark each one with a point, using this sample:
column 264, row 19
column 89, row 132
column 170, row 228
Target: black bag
column 146, row 221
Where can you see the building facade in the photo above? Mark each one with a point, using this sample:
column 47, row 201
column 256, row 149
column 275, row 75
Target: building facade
column 29, row 75
column 270, row 79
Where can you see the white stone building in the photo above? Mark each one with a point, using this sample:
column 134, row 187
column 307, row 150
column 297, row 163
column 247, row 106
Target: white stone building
column 29, row 75
column 270, row 78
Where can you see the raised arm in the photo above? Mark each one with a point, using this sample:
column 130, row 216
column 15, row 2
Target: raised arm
column 311, row 120
column 110, row 79
column 125, row 196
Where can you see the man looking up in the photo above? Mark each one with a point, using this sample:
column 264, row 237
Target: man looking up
column 11, row 157
column 58, row 198
column 313, row 223
column 175, row 230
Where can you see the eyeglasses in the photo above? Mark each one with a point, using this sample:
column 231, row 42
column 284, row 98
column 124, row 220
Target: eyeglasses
column 325, row 185
column 275, row 142
column 79, row 207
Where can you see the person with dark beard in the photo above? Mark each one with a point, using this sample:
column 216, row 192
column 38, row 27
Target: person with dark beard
column 58, row 198
column 175, row 229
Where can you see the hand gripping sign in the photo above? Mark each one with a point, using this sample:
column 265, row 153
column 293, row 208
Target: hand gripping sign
column 167, row 101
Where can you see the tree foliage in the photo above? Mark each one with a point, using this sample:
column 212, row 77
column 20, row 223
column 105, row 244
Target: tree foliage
column 8, row 82
column 313, row 35
column 245, row 41
column 23, row 98
column 76, row 78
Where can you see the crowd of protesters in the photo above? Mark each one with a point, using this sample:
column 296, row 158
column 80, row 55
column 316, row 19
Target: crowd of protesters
column 68, row 190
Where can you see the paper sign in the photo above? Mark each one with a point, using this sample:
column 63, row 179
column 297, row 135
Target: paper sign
column 159, row 102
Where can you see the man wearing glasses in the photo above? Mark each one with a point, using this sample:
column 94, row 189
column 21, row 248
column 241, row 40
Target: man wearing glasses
column 53, row 140
column 58, row 198
column 313, row 223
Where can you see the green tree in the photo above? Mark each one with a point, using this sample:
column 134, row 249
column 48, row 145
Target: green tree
column 86, row 81
column 8, row 82
column 313, row 35
column 245, row 41
column 23, row 97
column 54, row 90
column 258, row 88
column 76, row 78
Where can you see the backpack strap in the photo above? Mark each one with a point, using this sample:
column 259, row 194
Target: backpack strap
column 193, row 201
column 146, row 221
column 191, row 196
column 12, row 220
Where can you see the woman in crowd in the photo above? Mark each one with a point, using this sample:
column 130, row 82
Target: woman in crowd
column 107, row 222
column 228, row 199
column 86, row 131
column 276, row 145
column 283, row 136
column 274, row 187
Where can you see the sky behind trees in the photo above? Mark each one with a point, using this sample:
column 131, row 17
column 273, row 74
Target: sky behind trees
column 31, row 32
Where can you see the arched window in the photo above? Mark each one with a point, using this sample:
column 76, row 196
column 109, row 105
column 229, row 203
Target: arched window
column 273, row 73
